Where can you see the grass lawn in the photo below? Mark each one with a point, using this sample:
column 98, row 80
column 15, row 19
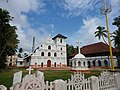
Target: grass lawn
column 6, row 77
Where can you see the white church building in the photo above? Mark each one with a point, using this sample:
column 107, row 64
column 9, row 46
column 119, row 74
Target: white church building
column 52, row 53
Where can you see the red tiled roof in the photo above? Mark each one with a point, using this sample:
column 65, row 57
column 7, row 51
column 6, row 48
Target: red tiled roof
column 96, row 49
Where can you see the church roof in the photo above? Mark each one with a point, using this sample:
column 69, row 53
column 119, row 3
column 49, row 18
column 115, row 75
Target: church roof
column 96, row 49
column 59, row 36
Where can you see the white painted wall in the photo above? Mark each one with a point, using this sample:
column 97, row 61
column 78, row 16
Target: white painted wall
column 56, row 46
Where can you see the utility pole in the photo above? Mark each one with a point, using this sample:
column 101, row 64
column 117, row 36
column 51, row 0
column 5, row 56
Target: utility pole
column 106, row 10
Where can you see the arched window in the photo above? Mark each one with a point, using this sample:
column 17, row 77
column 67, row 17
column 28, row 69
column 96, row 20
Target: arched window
column 99, row 63
column 42, row 64
column 42, row 53
column 89, row 64
column 94, row 63
column 79, row 63
column 49, row 47
column 60, row 40
column 61, row 48
column 55, row 64
column 55, row 54
column 35, row 65
column 11, row 60
column 49, row 54
column 106, row 63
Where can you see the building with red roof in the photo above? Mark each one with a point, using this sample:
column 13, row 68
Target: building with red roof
column 97, row 54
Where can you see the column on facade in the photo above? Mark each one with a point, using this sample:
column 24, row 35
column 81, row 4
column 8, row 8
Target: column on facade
column 82, row 63
column 73, row 63
column 76, row 62
column 86, row 64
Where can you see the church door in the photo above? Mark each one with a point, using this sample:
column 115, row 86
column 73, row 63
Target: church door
column 48, row 63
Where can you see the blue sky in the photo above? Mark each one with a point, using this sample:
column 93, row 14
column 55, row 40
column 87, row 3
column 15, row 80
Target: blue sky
column 72, row 18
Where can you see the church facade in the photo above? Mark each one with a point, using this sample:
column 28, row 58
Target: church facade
column 52, row 53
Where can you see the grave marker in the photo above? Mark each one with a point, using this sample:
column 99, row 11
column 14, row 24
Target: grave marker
column 29, row 69
column 17, row 77
column 40, row 74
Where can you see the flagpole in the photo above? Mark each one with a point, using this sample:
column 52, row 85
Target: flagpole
column 105, row 11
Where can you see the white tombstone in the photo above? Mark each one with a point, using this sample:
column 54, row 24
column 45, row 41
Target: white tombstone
column 29, row 69
column 2, row 87
column 17, row 77
column 94, row 83
column 117, row 79
column 40, row 74
column 60, row 84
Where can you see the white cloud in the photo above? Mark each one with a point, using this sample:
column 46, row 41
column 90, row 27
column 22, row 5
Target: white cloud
column 86, row 32
column 17, row 9
column 115, row 8
column 77, row 7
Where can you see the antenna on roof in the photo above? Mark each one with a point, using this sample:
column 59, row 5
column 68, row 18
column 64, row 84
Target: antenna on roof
column 33, row 46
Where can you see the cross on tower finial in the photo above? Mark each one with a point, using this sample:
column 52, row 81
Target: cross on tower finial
column 29, row 69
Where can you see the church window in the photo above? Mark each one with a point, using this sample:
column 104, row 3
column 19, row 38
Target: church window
column 49, row 54
column 42, row 54
column 10, row 59
column 55, row 64
column 20, row 63
column 94, row 63
column 55, row 54
column 42, row 64
column 41, row 45
column 61, row 53
column 49, row 47
column 61, row 48
column 60, row 40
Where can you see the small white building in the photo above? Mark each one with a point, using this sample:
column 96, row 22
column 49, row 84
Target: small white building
column 20, row 62
column 52, row 53
column 11, row 60
column 79, row 61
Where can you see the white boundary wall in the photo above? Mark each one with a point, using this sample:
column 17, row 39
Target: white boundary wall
column 106, row 81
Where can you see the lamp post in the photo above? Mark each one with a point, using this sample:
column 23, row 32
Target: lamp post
column 106, row 10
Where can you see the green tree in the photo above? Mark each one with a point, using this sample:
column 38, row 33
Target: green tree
column 8, row 37
column 117, row 22
column 116, row 33
column 101, row 33
column 70, row 50
column 116, row 37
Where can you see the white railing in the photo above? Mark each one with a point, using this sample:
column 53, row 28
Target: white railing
column 106, row 81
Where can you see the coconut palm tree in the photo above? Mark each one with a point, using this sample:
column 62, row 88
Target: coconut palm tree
column 101, row 33
column 116, row 38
